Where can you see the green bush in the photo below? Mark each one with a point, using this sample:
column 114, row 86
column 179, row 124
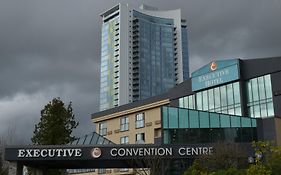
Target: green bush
column 195, row 169
column 258, row 169
column 230, row 171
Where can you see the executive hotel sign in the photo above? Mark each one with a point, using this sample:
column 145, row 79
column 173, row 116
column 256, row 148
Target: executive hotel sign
column 215, row 73
column 105, row 152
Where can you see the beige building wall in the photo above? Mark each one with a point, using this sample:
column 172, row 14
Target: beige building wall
column 151, row 129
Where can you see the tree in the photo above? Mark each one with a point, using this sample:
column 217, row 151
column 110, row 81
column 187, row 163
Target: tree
column 151, row 166
column 55, row 127
column 195, row 169
column 225, row 156
column 56, row 124
column 268, row 158
column 3, row 169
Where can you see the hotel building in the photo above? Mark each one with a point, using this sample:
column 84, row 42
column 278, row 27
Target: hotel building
column 143, row 53
column 233, row 101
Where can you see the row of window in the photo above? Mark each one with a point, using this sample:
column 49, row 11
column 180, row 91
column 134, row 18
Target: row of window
column 224, row 99
column 124, row 124
column 259, row 97
column 211, row 135
column 188, row 118
column 140, row 138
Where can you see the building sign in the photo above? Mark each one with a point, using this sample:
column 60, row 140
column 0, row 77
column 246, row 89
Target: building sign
column 161, row 151
column 49, row 153
column 118, row 152
column 215, row 73
column 103, row 156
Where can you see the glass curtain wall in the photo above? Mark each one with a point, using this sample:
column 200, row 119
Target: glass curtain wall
column 223, row 99
column 156, row 55
column 259, row 97
column 191, row 126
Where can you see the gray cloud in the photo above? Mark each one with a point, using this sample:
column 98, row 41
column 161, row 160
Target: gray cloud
column 52, row 49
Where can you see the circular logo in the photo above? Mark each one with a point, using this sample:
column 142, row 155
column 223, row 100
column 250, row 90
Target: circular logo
column 96, row 152
column 213, row 66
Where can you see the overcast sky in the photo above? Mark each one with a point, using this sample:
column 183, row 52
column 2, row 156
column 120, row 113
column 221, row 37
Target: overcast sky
column 51, row 48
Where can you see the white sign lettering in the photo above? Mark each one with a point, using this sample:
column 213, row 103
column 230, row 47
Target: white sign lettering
column 141, row 152
column 36, row 153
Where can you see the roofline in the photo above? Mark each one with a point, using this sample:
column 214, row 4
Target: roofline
column 128, row 106
column 108, row 10
column 136, row 109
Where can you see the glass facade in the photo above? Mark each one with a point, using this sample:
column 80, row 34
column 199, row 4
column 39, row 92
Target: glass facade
column 191, row 126
column 153, row 51
column 223, row 99
column 109, row 77
column 259, row 97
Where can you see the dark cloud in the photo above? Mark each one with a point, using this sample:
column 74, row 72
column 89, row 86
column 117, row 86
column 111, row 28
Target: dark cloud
column 52, row 49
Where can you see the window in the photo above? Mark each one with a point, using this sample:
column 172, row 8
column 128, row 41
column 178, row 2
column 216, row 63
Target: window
column 140, row 138
column 259, row 97
column 124, row 140
column 102, row 128
column 224, row 99
column 124, row 124
column 140, row 120
column 101, row 171
column 124, row 169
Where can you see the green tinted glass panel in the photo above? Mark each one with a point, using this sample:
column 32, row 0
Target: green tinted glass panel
column 211, row 100
column 235, row 121
column 205, row 100
column 199, row 100
column 257, row 111
column 223, row 96
column 246, row 122
column 193, row 119
column 166, row 136
column 230, row 99
column 181, row 104
column 270, row 109
column 268, row 88
column 236, row 90
column 214, row 120
column 185, row 102
column 261, row 88
column 217, row 97
column 249, row 92
column 165, row 117
column 173, row 118
column 225, row 122
column 254, row 122
column 183, row 118
column 191, row 104
column 255, row 89
column 204, row 119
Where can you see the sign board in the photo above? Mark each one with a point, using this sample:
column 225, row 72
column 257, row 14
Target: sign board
column 103, row 156
column 215, row 73
column 114, row 152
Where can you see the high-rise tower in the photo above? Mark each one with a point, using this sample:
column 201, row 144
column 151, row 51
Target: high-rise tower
column 144, row 53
